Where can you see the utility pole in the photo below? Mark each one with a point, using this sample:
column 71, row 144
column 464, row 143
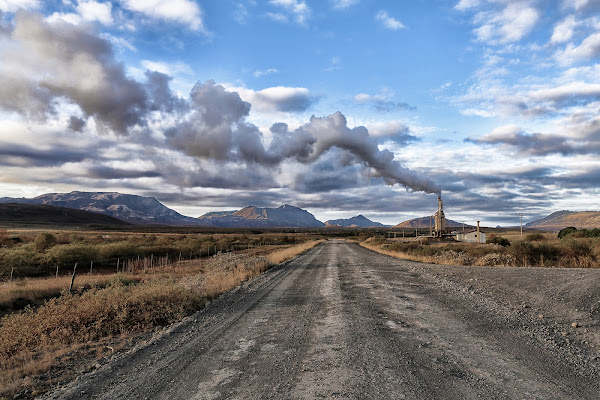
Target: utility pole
column 521, row 215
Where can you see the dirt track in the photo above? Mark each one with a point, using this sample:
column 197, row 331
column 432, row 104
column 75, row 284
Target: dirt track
column 343, row 322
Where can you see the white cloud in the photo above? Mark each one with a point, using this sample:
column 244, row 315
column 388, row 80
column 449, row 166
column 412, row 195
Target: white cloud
column 581, row 4
column 14, row 5
column 466, row 4
column 389, row 22
column 334, row 64
column 564, row 92
column 563, row 31
column 381, row 129
column 297, row 8
column 167, row 68
column 183, row 11
column 70, row 18
column 589, row 48
column 340, row 4
column 510, row 24
column 277, row 99
column 277, row 17
column 88, row 11
column 94, row 11
column 258, row 73
column 119, row 42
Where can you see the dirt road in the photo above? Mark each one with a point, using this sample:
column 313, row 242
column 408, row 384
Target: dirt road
column 343, row 322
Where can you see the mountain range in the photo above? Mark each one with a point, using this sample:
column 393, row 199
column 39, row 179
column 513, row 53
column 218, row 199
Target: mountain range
column 142, row 210
column 360, row 221
column 126, row 207
column 135, row 209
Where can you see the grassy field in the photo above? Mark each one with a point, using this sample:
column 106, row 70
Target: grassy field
column 57, row 331
column 504, row 248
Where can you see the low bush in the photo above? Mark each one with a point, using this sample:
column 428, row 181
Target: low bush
column 535, row 237
column 499, row 240
column 44, row 241
column 566, row 232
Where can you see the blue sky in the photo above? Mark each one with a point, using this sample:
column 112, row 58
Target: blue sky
column 337, row 106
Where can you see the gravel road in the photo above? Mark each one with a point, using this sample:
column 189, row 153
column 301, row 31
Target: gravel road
column 341, row 321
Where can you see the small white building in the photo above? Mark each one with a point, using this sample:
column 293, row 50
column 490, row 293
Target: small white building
column 470, row 236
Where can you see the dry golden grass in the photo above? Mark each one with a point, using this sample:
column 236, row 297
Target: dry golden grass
column 32, row 290
column 280, row 256
column 33, row 340
column 405, row 256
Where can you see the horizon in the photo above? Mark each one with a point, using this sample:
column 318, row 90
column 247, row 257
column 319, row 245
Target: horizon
column 339, row 107
column 329, row 219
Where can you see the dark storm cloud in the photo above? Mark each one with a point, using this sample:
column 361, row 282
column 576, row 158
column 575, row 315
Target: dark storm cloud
column 47, row 62
column 217, row 129
column 536, row 144
column 15, row 154
column 162, row 98
column 76, row 124
column 105, row 172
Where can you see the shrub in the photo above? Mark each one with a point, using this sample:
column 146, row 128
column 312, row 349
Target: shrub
column 44, row 241
column 69, row 254
column 499, row 240
column 528, row 254
column 566, row 232
column 5, row 238
column 535, row 237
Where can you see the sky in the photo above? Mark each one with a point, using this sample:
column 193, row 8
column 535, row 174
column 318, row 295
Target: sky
column 341, row 107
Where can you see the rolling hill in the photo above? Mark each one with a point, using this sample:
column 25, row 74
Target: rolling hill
column 38, row 214
column 562, row 219
column 424, row 222
column 256, row 217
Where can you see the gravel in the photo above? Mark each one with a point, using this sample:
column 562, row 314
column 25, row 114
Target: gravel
column 341, row 321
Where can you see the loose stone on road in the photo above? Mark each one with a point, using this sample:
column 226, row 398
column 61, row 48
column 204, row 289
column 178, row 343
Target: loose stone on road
column 341, row 321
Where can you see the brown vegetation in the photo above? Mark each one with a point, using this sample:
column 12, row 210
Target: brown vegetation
column 537, row 250
column 34, row 340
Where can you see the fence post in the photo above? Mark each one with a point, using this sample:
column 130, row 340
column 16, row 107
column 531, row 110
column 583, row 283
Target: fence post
column 118, row 259
column 151, row 260
column 11, row 273
column 91, row 266
column 73, row 277
column 57, row 271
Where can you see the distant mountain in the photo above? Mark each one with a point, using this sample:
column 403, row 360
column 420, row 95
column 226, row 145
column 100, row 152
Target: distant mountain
column 126, row 207
column 358, row 221
column 562, row 219
column 37, row 214
column 424, row 222
column 254, row 217
column 217, row 214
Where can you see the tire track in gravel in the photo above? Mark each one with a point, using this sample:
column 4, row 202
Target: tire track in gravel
column 341, row 321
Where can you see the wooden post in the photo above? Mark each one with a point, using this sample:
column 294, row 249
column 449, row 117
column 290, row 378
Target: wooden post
column 151, row 260
column 179, row 256
column 118, row 259
column 11, row 273
column 73, row 278
column 57, row 271
column 91, row 266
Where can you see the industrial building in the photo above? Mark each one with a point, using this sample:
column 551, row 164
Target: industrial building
column 470, row 236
